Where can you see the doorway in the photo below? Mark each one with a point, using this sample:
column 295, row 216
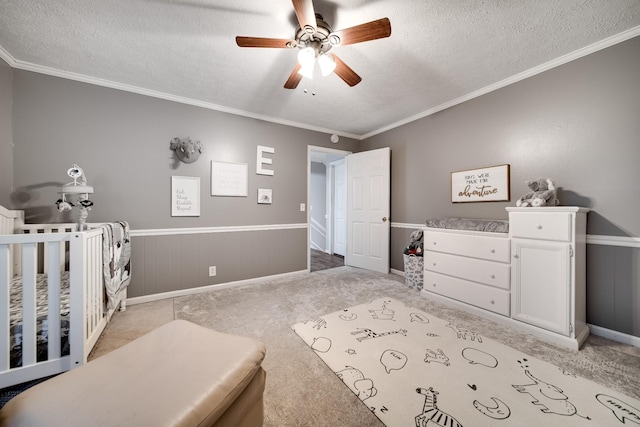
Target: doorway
column 326, row 207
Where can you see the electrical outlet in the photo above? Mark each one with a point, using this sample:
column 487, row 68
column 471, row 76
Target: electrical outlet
column 212, row 270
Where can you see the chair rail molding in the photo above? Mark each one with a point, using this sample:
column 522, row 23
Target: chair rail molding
column 206, row 230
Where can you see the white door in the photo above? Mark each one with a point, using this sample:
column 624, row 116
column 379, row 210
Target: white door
column 541, row 284
column 339, row 207
column 368, row 207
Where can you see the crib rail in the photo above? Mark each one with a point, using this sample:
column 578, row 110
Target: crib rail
column 87, row 321
column 43, row 254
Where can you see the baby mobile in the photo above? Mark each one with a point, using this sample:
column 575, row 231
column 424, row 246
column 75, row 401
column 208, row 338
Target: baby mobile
column 78, row 190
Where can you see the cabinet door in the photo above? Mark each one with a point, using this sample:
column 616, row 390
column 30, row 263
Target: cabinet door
column 541, row 284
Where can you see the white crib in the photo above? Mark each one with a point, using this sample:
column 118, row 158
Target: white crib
column 52, row 250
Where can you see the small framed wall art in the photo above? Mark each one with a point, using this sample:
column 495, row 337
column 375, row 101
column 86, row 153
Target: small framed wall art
column 185, row 196
column 490, row 184
column 264, row 196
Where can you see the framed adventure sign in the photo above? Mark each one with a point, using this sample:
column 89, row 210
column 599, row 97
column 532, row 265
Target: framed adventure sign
column 481, row 185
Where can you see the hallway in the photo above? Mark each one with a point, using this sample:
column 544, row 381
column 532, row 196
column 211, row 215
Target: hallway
column 323, row 261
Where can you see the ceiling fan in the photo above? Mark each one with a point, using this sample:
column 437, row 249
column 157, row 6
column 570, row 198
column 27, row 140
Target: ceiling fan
column 315, row 38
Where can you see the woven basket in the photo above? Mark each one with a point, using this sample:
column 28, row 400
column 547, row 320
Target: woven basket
column 413, row 271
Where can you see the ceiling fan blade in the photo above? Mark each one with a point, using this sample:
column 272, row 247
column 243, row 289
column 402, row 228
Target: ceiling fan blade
column 345, row 72
column 264, row 42
column 306, row 15
column 294, row 78
column 378, row 29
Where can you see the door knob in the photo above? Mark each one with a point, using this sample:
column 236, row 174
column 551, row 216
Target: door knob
column 384, row 219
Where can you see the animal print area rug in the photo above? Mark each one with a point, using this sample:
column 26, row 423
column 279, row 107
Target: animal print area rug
column 414, row 369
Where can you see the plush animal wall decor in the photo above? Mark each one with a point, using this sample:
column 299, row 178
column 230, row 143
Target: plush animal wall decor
column 543, row 193
column 186, row 150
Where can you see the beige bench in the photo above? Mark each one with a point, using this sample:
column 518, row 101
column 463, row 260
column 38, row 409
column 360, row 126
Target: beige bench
column 180, row 374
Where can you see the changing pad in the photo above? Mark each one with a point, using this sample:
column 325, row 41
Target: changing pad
column 473, row 224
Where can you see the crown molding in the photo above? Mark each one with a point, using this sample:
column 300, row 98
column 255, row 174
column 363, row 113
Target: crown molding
column 40, row 69
column 602, row 44
column 592, row 48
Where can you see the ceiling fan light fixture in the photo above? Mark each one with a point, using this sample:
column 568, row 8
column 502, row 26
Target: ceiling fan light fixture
column 307, row 56
column 307, row 71
column 327, row 64
column 314, row 38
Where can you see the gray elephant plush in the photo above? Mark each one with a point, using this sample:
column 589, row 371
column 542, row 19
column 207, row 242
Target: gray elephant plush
column 543, row 193
column 186, row 150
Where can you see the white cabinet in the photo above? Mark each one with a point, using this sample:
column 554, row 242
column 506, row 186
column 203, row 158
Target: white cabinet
column 542, row 284
column 548, row 269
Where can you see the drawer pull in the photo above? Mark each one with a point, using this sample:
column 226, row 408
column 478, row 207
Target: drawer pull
column 539, row 226
column 516, row 256
column 492, row 302
column 434, row 285
column 493, row 276
column 434, row 243
column 493, row 251
column 434, row 264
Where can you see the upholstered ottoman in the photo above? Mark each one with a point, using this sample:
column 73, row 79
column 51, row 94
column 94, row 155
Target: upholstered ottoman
column 180, row 374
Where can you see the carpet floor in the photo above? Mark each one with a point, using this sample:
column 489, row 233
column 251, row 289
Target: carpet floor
column 301, row 390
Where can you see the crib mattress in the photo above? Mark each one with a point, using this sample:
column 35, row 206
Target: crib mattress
column 42, row 309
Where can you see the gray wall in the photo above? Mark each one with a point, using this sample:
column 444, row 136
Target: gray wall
column 121, row 140
column 578, row 124
column 6, row 155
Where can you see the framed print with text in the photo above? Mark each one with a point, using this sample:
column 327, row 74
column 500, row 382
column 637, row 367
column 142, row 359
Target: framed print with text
column 490, row 184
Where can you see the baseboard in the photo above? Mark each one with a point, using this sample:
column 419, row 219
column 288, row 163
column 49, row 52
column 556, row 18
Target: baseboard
column 396, row 272
column 615, row 335
column 595, row 330
column 192, row 291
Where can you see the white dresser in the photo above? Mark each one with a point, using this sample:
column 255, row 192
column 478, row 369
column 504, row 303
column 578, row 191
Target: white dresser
column 468, row 266
column 532, row 278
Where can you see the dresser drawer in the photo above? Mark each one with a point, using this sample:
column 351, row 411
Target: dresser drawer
column 487, row 272
column 483, row 247
column 538, row 225
column 486, row 297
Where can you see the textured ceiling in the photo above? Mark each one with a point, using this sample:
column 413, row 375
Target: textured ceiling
column 439, row 52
